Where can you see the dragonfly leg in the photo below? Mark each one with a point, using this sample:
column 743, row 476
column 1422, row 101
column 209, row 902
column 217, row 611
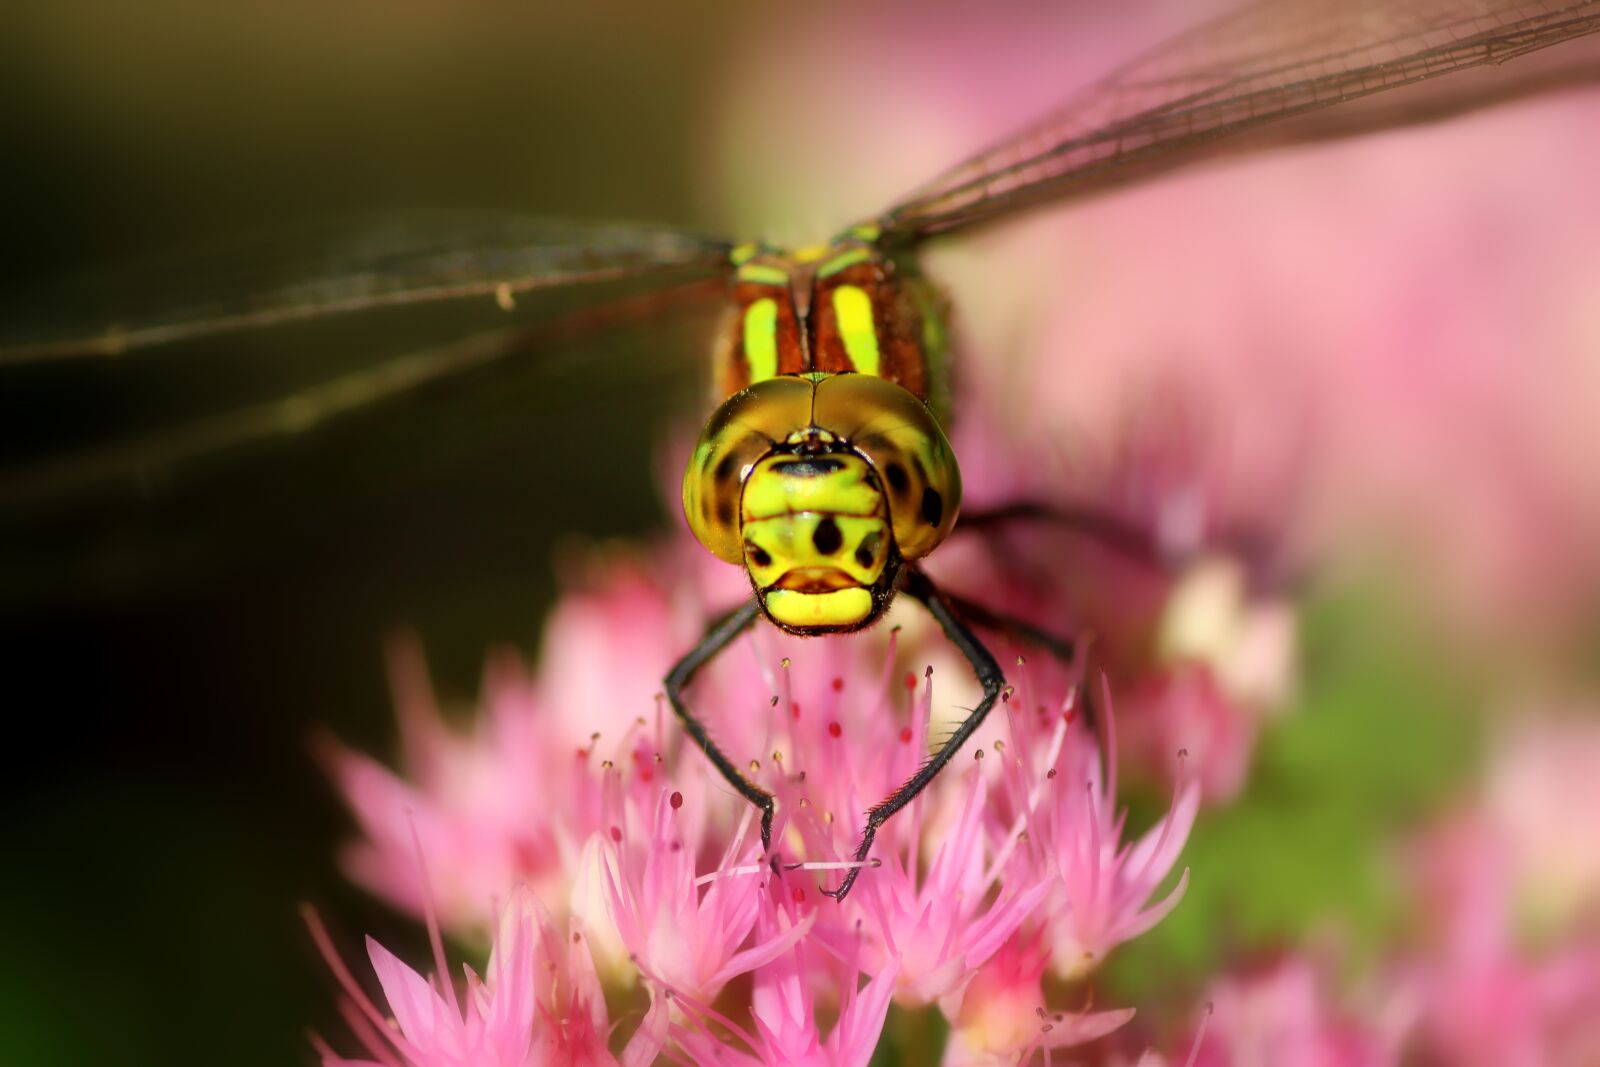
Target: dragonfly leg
column 1065, row 649
column 716, row 639
column 1095, row 524
column 917, row 585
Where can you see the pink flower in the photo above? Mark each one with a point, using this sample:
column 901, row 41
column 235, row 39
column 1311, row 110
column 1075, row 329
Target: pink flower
column 783, row 1009
column 945, row 924
column 1003, row 1019
column 514, row 795
column 1100, row 888
column 539, row 1004
column 686, row 933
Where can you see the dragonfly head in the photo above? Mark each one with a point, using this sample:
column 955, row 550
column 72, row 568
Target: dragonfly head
column 821, row 487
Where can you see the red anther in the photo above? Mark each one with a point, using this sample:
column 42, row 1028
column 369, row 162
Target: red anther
column 646, row 773
column 616, row 833
column 676, row 800
column 794, row 709
column 583, row 753
column 834, row 729
column 911, row 680
column 799, row 895
column 577, row 938
column 905, row 735
column 838, row 684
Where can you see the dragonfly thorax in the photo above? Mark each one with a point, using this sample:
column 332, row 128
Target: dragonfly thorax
column 830, row 309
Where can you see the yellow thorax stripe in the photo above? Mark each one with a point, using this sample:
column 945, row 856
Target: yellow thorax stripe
column 761, row 339
column 853, row 307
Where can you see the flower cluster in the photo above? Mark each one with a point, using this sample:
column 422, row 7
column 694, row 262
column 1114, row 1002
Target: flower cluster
column 600, row 850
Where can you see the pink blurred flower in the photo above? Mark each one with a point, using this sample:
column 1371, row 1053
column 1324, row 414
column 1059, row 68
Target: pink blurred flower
column 1285, row 1015
column 1487, row 994
column 1186, row 592
column 1542, row 796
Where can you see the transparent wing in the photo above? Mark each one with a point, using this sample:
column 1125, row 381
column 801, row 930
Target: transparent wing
column 349, row 268
column 485, row 443
column 1263, row 63
column 545, row 348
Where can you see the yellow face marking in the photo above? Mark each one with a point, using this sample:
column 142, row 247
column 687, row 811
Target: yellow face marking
column 810, row 253
column 866, row 231
column 815, row 552
column 761, row 339
column 843, row 260
column 853, row 307
column 763, row 274
column 835, row 610
column 842, row 486
column 743, row 253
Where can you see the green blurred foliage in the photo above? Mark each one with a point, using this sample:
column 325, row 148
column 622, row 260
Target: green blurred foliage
column 1385, row 730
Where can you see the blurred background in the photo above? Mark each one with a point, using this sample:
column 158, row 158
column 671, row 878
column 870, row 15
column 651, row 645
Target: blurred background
column 1385, row 353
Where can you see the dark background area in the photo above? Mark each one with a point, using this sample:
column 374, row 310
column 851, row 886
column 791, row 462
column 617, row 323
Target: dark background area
column 170, row 646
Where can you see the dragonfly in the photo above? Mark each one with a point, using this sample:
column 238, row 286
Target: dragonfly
column 824, row 471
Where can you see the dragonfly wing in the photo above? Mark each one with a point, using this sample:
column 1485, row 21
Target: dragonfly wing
column 547, row 349
column 501, row 438
column 1263, row 63
column 349, row 268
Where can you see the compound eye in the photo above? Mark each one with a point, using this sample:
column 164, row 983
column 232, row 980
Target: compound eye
column 739, row 433
column 903, row 441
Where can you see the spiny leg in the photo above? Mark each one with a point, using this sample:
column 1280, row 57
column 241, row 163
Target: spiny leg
column 1062, row 648
column 716, row 639
column 1095, row 524
column 917, row 585
column 1137, row 543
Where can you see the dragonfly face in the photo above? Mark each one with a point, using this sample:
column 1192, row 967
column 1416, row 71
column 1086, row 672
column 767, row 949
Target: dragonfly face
column 825, row 469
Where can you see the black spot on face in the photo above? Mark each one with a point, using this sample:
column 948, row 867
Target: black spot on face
column 932, row 506
column 757, row 554
column 725, row 511
column 897, row 478
column 827, row 537
column 867, row 550
column 727, row 467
